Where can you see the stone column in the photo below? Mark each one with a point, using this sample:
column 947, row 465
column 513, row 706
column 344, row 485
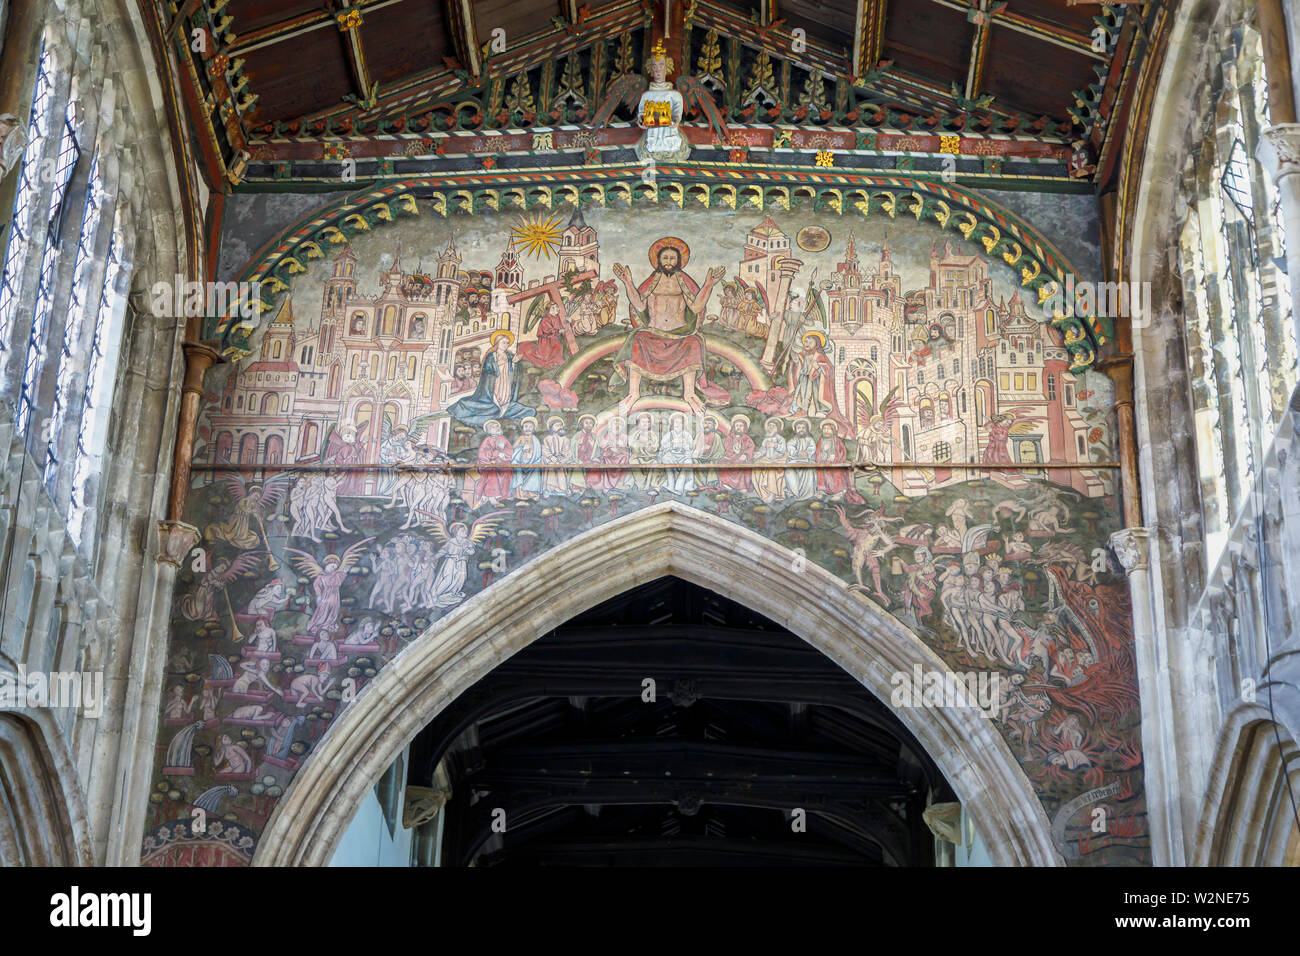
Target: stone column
column 1120, row 371
column 1279, row 153
column 1159, row 754
column 176, row 537
column 15, row 83
column 1279, row 146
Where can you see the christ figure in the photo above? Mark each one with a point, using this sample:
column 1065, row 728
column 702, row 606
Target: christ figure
column 665, row 344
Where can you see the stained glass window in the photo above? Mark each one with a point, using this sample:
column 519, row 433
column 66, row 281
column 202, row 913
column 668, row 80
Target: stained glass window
column 101, row 367
column 64, row 164
column 28, row 197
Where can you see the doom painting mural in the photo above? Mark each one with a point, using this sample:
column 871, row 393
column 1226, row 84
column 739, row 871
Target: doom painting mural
column 547, row 372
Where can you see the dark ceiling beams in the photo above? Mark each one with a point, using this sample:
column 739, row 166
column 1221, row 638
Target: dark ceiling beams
column 742, row 724
column 345, row 79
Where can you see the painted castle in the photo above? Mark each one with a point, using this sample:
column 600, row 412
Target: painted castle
column 955, row 359
column 393, row 360
column 957, row 363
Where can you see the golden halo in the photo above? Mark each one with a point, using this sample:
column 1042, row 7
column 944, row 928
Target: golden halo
column 525, row 421
column 670, row 242
column 509, row 337
column 553, row 420
column 814, row 334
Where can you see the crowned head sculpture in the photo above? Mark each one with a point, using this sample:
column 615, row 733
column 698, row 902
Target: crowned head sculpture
column 660, row 64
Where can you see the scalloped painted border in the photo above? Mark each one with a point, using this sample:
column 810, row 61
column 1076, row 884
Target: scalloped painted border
column 976, row 221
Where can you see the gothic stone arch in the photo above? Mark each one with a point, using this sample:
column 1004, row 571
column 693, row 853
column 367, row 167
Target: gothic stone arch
column 665, row 539
column 42, row 814
column 1246, row 816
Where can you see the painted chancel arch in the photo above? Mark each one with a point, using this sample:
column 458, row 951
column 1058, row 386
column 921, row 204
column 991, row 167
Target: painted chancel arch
column 940, row 449
column 668, row 539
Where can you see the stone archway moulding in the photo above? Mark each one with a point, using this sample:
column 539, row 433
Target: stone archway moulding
column 665, row 539
column 1246, row 817
column 43, row 819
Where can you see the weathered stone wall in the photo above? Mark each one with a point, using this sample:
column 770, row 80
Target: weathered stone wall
column 1218, row 694
column 95, row 609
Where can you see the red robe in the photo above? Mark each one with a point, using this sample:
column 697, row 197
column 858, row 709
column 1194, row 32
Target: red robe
column 494, row 451
column 613, row 451
column 588, row 452
column 548, row 350
column 832, row 481
column 667, row 356
column 737, row 448
column 995, row 450
column 344, row 453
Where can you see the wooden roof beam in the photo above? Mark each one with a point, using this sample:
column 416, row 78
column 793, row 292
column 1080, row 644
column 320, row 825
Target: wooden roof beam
column 348, row 19
column 296, row 26
column 1047, row 32
column 464, row 36
column 982, row 17
column 868, row 35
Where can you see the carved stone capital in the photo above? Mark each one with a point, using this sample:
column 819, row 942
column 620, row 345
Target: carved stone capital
column 198, row 359
column 176, row 539
column 1132, row 547
column 1279, row 150
column 944, row 821
column 422, row 804
column 13, row 140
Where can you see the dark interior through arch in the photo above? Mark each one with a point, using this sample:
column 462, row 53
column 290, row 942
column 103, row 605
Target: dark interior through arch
column 748, row 723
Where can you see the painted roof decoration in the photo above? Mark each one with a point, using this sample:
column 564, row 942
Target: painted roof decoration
column 1031, row 89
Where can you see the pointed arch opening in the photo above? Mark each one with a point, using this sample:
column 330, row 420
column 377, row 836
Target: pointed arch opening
column 1247, row 815
column 664, row 540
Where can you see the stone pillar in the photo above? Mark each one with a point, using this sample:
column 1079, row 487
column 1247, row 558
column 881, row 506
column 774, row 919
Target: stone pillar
column 1120, row 370
column 1279, row 147
column 21, row 31
column 1159, row 755
column 174, row 533
column 1279, row 153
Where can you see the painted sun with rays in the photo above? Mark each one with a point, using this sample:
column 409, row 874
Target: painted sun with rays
column 537, row 234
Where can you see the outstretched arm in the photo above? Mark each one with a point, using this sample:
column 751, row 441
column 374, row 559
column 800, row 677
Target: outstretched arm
column 702, row 297
column 633, row 296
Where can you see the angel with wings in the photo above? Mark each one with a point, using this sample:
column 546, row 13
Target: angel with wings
column 250, row 499
column 1001, row 428
column 326, row 579
column 660, row 108
column 448, row 587
column 201, row 603
column 876, row 427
